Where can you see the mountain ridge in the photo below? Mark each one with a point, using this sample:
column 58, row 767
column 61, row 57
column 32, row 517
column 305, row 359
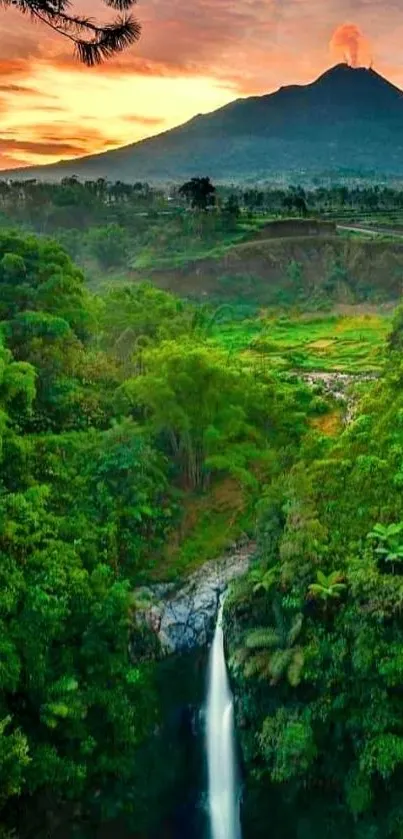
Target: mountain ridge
column 345, row 119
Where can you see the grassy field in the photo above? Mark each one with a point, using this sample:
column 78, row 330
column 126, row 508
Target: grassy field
column 343, row 343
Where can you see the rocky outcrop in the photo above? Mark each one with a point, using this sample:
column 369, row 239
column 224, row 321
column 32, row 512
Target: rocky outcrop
column 183, row 617
column 340, row 386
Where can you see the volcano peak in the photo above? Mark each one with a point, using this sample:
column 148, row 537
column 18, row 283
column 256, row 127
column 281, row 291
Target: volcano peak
column 348, row 119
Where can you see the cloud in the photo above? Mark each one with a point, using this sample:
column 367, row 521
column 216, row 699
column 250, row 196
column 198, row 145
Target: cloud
column 254, row 45
column 24, row 90
column 7, row 162
column 179, row 38
column 85, row 143
column 51, row 109
column 56, row 140
column 143, row 120
column 10, row 67
column 41, row 147
column 130, row 65
column 242, row 47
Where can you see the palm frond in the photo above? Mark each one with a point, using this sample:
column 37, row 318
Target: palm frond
column 295, row 629
column 279, row 663
column 266, row 581
column 265, row 637
column 378, row 532
column 279, row 619
column 257, row 665
column 295, row 668
column 317, row 590
column 239, row 657
column 395, row 529
column 321, row 578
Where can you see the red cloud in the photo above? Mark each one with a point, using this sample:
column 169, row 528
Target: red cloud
column 66, row 140
column 252, row 46
column 10, row 67
column 41, row 147
column 181, row 39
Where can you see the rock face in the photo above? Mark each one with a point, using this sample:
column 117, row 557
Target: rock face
column 183, row 618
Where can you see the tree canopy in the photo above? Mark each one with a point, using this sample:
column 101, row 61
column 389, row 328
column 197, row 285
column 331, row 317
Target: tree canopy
column 141, row 434
column 113, row 411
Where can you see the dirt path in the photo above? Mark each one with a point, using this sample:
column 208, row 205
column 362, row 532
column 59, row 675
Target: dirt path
column 373, row 231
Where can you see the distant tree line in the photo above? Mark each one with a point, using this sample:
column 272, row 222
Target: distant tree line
column 198, row 193
column 117, row 225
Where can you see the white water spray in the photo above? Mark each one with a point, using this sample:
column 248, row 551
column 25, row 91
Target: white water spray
column 223, row 798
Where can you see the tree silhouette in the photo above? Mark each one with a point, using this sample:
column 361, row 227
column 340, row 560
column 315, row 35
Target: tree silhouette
column 93, row 42
column 199, row 193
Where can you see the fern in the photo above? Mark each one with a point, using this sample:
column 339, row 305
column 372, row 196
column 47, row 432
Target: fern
column 295, row 629
column 279, row 663
column 264, row 637
column 258, row 665
column 295, row 668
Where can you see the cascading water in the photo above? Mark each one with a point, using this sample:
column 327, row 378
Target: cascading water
column 223, row 796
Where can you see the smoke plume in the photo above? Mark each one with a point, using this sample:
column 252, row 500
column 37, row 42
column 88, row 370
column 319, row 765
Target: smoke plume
column 349, row 42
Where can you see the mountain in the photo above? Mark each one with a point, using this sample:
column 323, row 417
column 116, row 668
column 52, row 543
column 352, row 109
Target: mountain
column 347, row 120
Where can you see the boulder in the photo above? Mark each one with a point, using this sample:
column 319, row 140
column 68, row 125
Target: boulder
column 184, row 617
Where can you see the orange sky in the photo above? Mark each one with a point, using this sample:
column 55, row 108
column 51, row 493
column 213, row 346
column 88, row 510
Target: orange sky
column 194, row 56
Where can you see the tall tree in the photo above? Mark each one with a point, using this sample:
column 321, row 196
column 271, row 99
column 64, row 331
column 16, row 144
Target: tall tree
column 199, row 193
column 93, row 42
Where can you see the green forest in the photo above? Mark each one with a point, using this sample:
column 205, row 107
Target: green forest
column 144, row 433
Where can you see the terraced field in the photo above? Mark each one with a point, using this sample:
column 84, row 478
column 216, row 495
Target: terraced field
column 343, row 343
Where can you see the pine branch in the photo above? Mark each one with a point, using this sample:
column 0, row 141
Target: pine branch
column 93, row 42
column 120, row 5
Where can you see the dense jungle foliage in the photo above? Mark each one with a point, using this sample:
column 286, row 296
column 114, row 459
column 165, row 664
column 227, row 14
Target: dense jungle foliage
column 136, row 442
column 114, row 414
column 316, row 632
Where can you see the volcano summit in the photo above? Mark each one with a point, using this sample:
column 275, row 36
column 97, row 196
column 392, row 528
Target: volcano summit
column 350, row 120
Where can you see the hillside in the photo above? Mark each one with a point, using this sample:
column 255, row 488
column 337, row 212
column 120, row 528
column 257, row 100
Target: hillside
column 291, row 271
column 347, row 120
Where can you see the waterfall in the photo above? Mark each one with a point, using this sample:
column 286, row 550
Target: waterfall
column 223, row 797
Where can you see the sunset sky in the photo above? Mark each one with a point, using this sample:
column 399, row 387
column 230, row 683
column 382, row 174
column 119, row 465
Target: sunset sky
column 194, row 55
